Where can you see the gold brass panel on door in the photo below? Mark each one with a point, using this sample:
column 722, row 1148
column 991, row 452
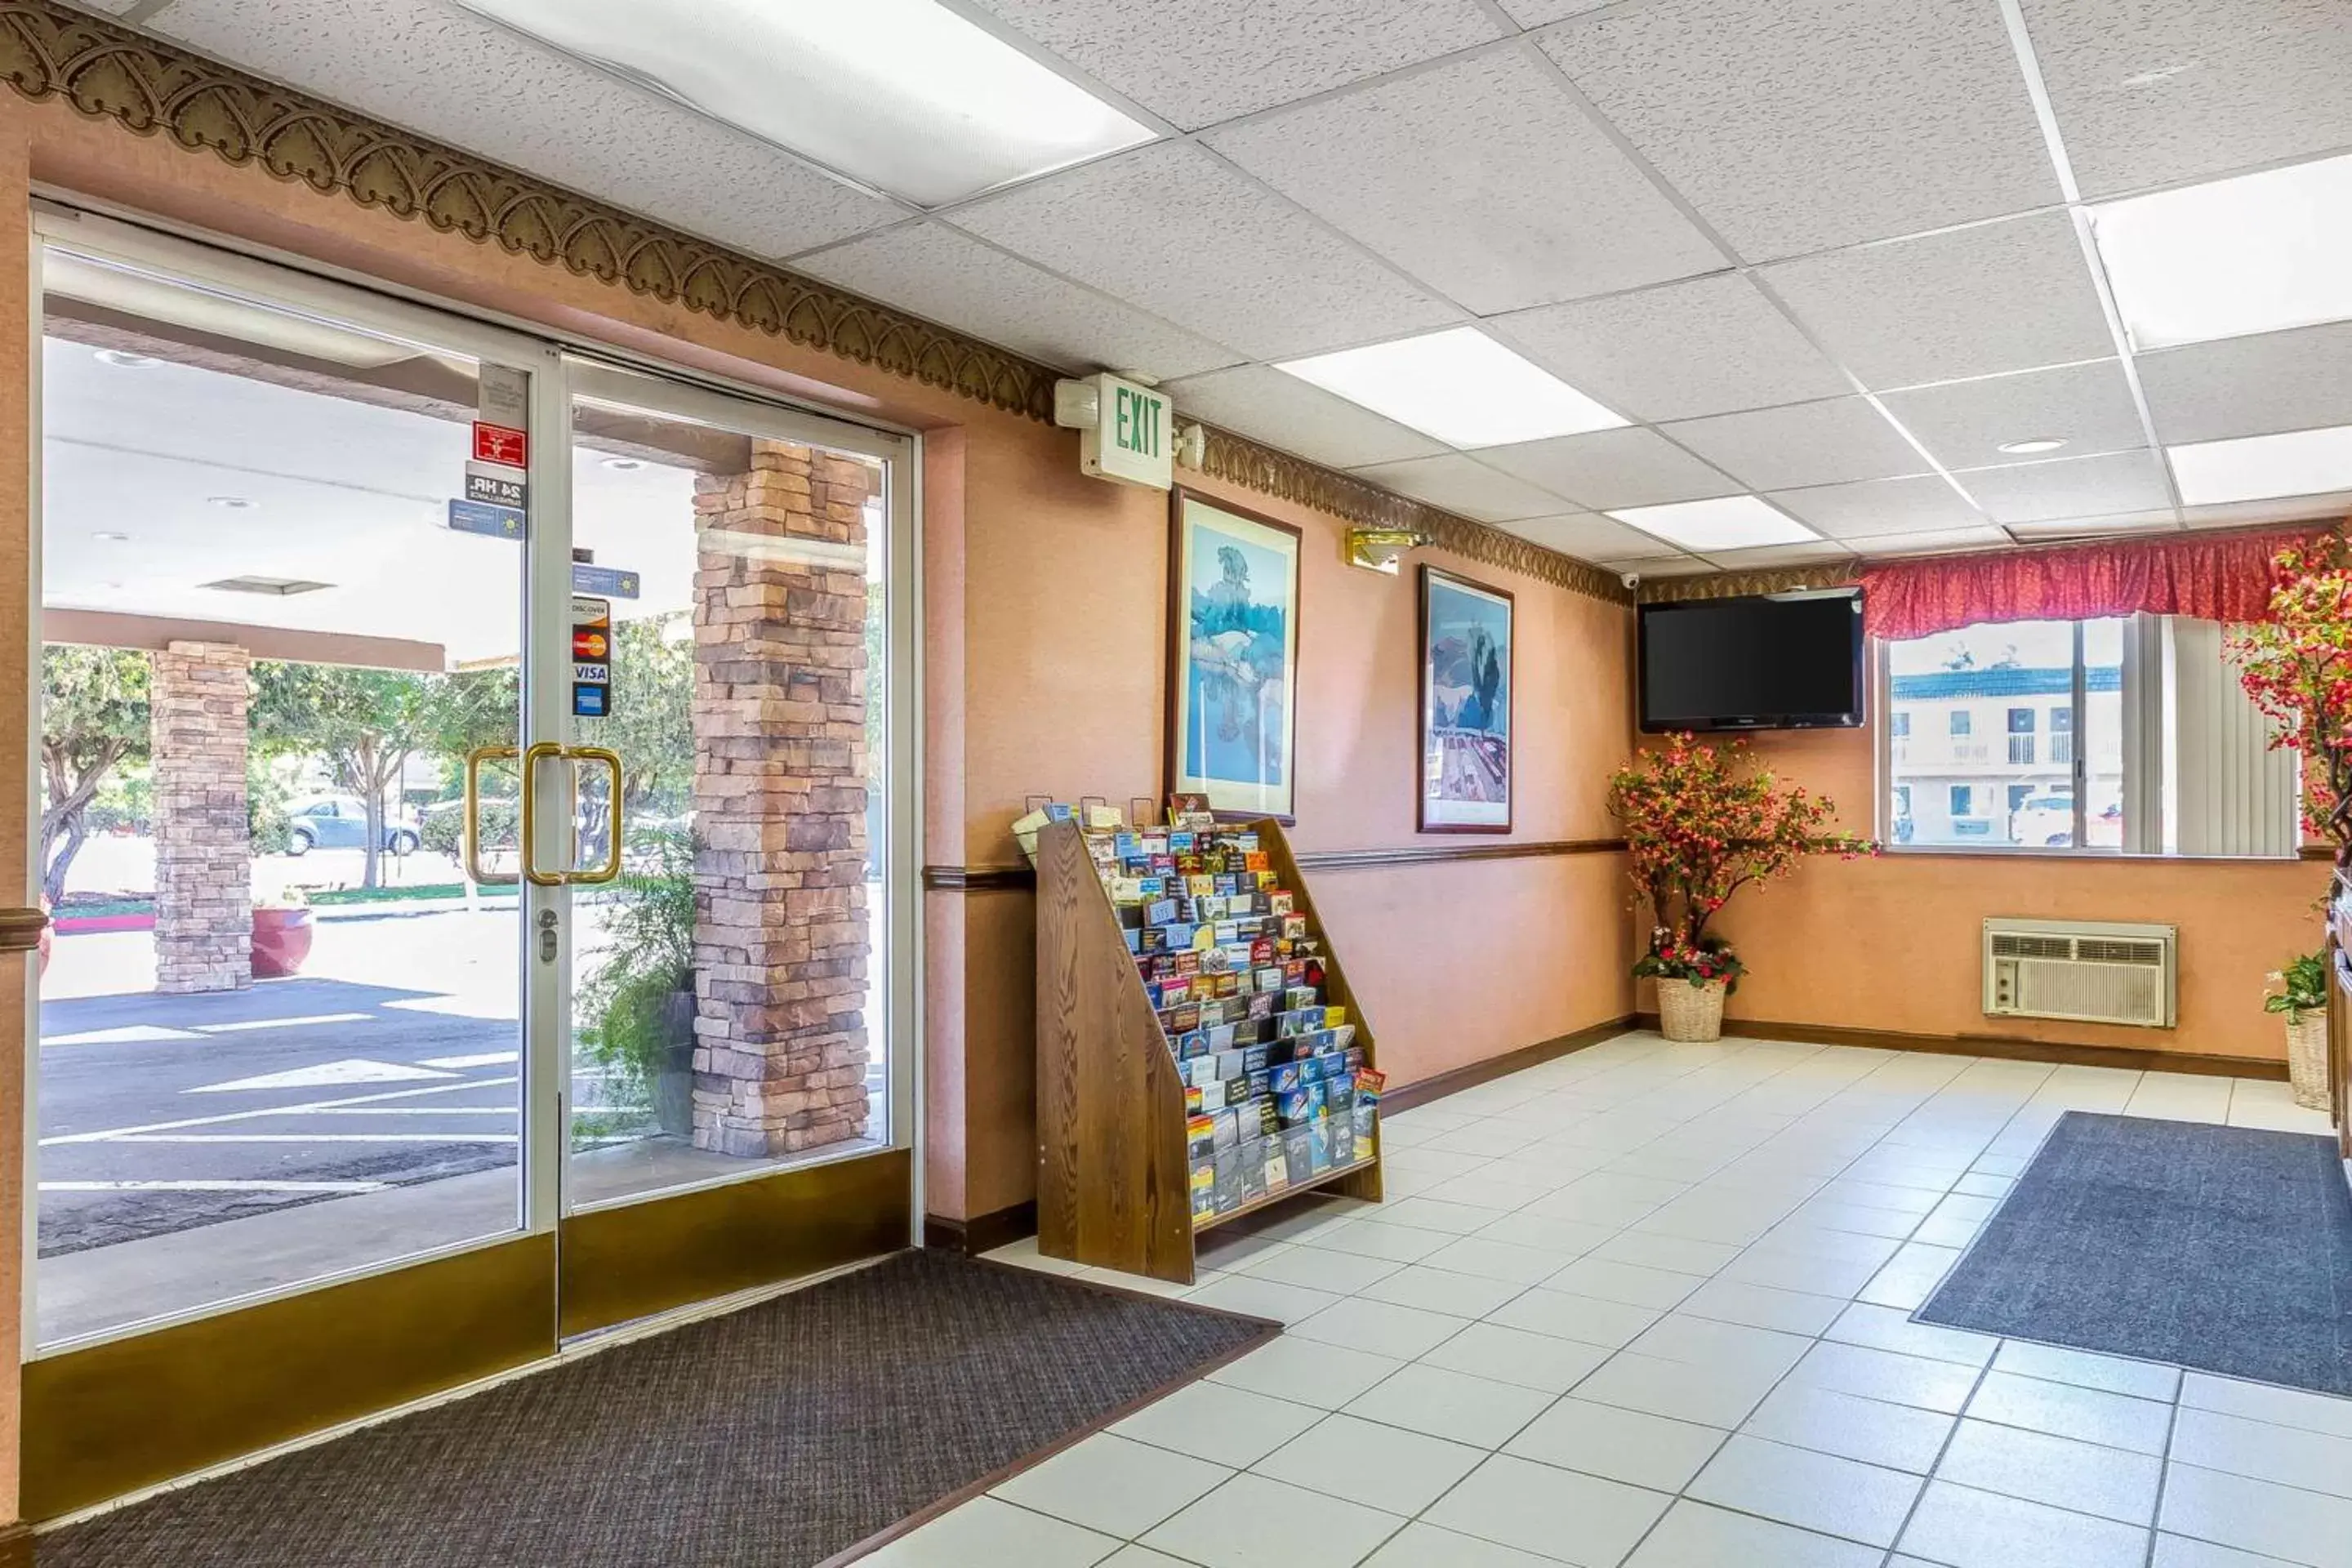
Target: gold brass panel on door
column 135, row 1410
column 636, row 1259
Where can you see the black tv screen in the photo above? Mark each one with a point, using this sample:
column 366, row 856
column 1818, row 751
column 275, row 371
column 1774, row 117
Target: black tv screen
column 1774, row 661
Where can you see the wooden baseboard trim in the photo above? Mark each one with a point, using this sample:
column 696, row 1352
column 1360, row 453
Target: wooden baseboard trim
column 2003, row 1048
column 16, row 1546
column 982, row 1233
column 1424, row 1091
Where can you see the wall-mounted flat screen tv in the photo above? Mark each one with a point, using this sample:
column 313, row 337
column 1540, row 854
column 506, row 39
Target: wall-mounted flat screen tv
column 1770, row 661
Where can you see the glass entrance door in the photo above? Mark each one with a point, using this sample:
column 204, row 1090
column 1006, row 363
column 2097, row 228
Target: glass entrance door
column 470, row 816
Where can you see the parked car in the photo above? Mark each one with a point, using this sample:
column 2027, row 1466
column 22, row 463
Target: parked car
column 340, row 822
column 2044, row 820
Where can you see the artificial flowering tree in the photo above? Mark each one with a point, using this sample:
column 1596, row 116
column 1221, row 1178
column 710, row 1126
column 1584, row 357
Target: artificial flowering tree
column 1700, row 825
column 2297, row 668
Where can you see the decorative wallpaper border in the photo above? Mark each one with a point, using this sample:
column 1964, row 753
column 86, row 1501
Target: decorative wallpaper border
column 50, row 52
column 1731, row 584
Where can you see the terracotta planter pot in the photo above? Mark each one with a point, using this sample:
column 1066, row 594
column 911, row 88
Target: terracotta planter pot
column 281, row 941
column 1691, row 1013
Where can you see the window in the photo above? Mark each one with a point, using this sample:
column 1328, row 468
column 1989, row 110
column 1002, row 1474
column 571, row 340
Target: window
column 2119, row 735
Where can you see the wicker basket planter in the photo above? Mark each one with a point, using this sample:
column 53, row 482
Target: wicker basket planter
column 1687, row 1012
column 2306, row 1058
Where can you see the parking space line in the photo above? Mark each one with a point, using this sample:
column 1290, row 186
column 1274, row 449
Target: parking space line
column 222, row 1186
column 312, row 1138
column 243, row 1025
column 111, row 1133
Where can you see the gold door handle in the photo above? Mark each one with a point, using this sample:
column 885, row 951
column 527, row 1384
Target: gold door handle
column 473, row 809
column 537, row 754
column 611, row 868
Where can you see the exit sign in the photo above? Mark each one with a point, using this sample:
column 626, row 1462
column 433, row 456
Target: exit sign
column 1132, row 439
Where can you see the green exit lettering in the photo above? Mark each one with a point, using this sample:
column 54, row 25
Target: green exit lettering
column 1135, row 422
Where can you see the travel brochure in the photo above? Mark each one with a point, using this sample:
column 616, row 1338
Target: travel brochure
column 1277, row 1092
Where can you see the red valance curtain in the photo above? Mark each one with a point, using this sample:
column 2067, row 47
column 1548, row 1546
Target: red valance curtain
column 2212, row 576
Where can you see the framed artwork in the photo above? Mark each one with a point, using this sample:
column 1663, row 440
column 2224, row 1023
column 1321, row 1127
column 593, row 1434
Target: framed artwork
column 1232, row 658
column 1465, row 705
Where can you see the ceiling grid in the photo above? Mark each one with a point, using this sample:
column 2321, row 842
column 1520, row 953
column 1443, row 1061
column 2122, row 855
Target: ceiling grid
column 1834, row 257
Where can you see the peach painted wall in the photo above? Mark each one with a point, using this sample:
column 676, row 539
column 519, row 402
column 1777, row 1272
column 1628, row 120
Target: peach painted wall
column 1893, row 943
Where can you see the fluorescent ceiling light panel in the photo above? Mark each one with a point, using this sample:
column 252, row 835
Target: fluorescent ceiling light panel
column 2259, row 253
column 2258, row 468
column 1726, row 522
column 901, row 95
column 1459, row 385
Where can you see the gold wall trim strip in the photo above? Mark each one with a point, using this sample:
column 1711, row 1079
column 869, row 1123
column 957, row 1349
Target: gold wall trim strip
column 133, row 1411
column 20, row 930
column 1732, row 585
column 633, row 1260
column 50, row 52
column 1239, row 460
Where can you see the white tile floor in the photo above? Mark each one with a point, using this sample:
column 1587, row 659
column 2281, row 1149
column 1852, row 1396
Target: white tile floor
column 1649, row 1305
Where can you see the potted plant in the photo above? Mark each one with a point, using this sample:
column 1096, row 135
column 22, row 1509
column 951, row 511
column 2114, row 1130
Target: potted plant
column 2302, row 997
column 638, row 1008
column 281, row 934
column 1699, row 827
column 2296, row 666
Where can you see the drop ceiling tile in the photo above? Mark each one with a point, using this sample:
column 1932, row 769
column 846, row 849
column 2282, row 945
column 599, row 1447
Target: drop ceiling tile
column 1795, row 125
column 1708, row 345
column 1536, row 13
column 1584, row 536
column 1824, row 443
column 2147, row 94
column 439, row 70
column 948, row 275
column 1609, row 469
column 1461, row 484
column 1173, row 229
column 1657, row 566
column 2071, row 487
column 2321, row 511
column 1935, row 543
column 1775, row 556
column 1944, row 307
column 2300, row 380
column 1198, row 62
column 1874, row 507
column 1283, row 411
column 1481, row 178
column 1963, row 423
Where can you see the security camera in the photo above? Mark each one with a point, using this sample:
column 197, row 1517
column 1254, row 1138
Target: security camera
column 1632, row 580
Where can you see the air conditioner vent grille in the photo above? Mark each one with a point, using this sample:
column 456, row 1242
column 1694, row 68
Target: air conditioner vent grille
column 2085, row 971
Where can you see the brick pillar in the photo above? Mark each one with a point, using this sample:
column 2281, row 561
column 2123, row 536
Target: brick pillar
column 781, row 938
column 204, row 862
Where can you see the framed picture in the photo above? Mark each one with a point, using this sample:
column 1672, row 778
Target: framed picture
column 1465, row 705
column 1232, row 658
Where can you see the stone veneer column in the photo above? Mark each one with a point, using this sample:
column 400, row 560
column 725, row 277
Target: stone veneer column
column 780, row 934
column 203, row 858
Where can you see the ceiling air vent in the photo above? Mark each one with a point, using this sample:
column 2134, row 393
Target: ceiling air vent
column 2086, row 971
column 273, row 587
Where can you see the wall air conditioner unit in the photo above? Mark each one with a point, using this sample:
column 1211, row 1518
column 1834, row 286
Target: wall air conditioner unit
column 2091, row 971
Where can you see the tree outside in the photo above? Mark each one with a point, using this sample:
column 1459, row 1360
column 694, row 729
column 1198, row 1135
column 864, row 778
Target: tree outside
column 365, row 725
column 94, row 718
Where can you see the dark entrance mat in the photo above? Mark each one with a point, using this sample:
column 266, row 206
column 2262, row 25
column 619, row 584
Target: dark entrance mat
column 772, row 1438
column 2222, row 1249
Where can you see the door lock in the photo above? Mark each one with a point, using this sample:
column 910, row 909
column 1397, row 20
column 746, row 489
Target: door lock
column 547, row 936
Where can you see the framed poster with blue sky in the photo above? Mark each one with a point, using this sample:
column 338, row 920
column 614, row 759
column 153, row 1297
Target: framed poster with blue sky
column 1466, row 706
column 1232, row 658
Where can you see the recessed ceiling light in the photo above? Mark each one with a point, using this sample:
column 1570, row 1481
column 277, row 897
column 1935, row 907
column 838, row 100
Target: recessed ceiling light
column 2255, row 254
column 269, row 587
column 1459, row 385
column 229, row 503
column 123, row 359
column 624, row 465
column 2033, row 444
column 108, row 537
column 2258, row 468
column 1726, row 522
column 904, row 95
